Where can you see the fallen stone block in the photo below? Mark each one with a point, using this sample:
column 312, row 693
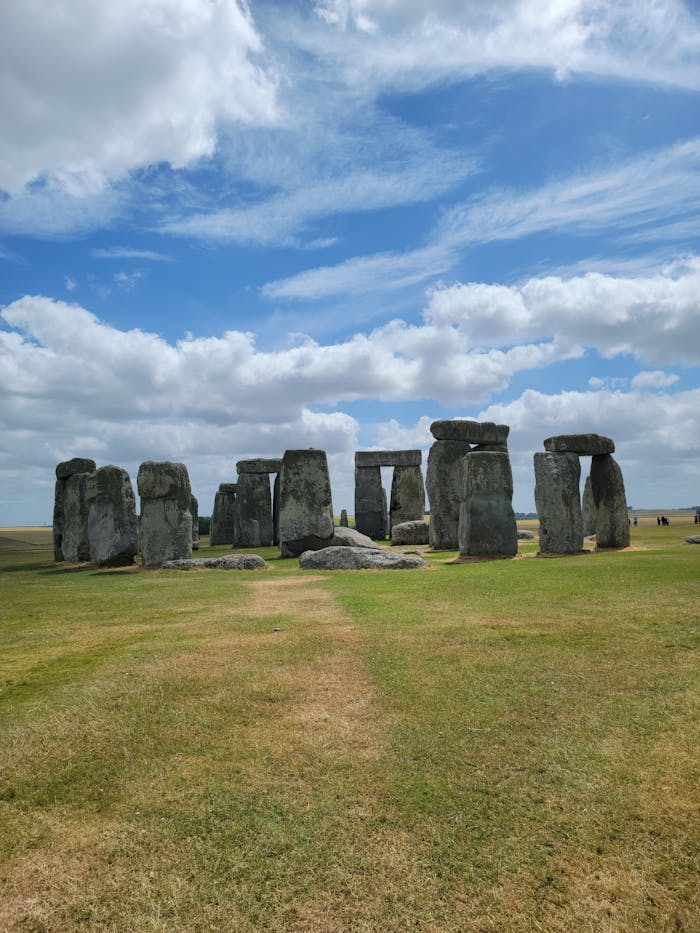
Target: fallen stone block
column 225, row 562
column 351, row 558
column 415, row 532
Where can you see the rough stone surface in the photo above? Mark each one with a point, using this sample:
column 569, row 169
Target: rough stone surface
column 222, row 526
column 524, row 534
column 444, row 484
column 75, row 544
column 370, row 502
column 585, row 445
column 350, row 537
column 415, row 532
column 487, row 522
column 254, row 526
column 344, row 519
column 194, row 509
column 225, row 562
column 112, row 522
column 387, row 458
column 306, row 507
column 473, row 432
column 693, row 539
column 558, row 503
column 588, row 509
column 259, row 465
column 276, row 510
column 165, row 528
column 612, row 528
column 407, row 502
column 351, row 558
column 63, row 471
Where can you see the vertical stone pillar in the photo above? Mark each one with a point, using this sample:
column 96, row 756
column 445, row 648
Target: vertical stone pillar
column 194, row 509
column 276, row 510
column 112, row 523
column 306, row 507
column 343, row 518
column 407, row 503
column 165, row 528
column 557, row 498
column 370, row 502
column 223, row 517
column 75, row 544
column 64, row 471
column 612, row 522
column 588, row 509
column 487, row 522
column 253, row 510
column 444, row 484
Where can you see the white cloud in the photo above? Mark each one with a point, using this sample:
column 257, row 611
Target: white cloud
column 125, row 252
column 70, row 283
column 90, row 91
column 655, row 379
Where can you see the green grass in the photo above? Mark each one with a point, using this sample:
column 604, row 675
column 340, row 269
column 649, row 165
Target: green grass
column 488, row 746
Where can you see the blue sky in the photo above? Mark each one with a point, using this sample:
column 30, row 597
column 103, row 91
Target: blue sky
column 228, row 229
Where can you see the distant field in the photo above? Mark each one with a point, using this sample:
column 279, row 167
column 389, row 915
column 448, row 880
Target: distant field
column 26, row 538
column 491, row 746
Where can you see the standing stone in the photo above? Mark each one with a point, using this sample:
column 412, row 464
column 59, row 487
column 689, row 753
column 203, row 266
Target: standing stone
column 253, row 511
column 65, row 470
column 487, row 525
column 344, row 518
column 194, row 509
column 306, row 507
column 407, row 502
column 165, row 530
column 444, row 483
column 112, row 524
column 276, row 509
column 223, row 517
column 557, row 498
column 370, row 502
column 612, row 522
column 75, row 544
column 588, row 509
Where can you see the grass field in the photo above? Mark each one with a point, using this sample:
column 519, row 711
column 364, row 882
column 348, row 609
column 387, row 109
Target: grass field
column 488, row 746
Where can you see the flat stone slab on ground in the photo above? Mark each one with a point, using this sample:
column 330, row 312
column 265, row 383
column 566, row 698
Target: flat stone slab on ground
column 387, row 458
column 585, row 445
column 524, row 534
column 259, row 465
column 225, row 562
column 352, row 558
column 350, row 537
column 693, row 539
column 473, row 432
column 415, row 532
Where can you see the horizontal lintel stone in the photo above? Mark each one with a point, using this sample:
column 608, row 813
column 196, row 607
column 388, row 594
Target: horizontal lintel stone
column 585, row 445
column 387, row 458
column 259, row 465
column 473, row 432
column 228, row 487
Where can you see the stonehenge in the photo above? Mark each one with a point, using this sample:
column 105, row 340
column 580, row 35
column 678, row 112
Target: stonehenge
column 222, row 527
column 254, row 510
column 165, row 529
column 407, row 500
column 64, row 471
column 306, row 507
column 112, row 524
column 486, row 520
column 563, row 523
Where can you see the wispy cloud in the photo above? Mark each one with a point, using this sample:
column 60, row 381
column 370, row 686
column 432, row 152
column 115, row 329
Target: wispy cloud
column 125, row 252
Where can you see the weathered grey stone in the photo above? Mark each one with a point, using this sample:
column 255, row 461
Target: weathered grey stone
column 276, row 510
column 63, row 471
column 77, row 465
column 350, row 537
column 194, row 509
column 225, row 562
column 415, row 532
column 588, row 509
column 352, row 558
column 612, row 528
column 585, row 445
column 487, row 522
column 692, row 539
column 306, row 507
column 254, row 527
column 557, row 498
column 407, row 503
column 370, row 502
column 387, row 458
column 165, row 527
column 112, row 523
column 75, row 544
column 524, row 534
column 343, row 518
column 222, row 525
column 473, row 432
column 259, row 465
column 444, row 484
